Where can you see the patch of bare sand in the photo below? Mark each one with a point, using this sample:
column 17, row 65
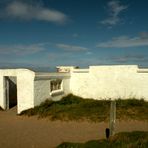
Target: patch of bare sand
column 31, row 132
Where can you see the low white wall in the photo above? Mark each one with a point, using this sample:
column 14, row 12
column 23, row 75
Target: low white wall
column 41, row 91
column 66, row 85
column 65, row 90
column 104, row 82
column 98, row 82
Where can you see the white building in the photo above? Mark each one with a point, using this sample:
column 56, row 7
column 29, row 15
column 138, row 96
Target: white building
column 26, row 89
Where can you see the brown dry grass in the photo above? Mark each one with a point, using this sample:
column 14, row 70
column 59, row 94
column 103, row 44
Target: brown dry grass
column 76, row 108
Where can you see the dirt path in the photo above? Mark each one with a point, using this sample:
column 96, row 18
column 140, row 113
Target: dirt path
column 30, row 132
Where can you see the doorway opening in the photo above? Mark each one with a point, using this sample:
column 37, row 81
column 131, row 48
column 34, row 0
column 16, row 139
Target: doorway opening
column 10, row 91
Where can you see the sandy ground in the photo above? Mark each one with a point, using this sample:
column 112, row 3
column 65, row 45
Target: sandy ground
column 31, row 132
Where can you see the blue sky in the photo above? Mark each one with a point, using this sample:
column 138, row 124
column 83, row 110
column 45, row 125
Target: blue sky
column 47, row 33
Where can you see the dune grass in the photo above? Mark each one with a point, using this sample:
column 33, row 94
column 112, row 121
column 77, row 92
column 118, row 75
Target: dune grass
column 76, row 108
column 132, row 109
column 136, row 139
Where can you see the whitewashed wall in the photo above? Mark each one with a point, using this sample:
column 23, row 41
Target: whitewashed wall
column 2, row 100
column 65, row 90
column 104, row 82
column 6, row 72
column 25, row 87
column 98, row 82
column 66, row 86
column 41, row 91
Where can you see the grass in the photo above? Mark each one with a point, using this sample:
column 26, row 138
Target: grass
column 137, row 139
column 132, row 109
column 72, row 108
column 76, row 108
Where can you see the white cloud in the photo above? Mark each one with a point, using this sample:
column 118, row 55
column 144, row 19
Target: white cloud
column 114, row 8
column 71, row 47
column 89, row 53
column 125, row 41
column 25, row 11
column 20, row 49
column 130, row 58
column 75, row 35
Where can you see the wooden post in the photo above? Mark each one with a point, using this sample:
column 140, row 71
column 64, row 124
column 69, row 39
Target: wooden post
column 112, row 117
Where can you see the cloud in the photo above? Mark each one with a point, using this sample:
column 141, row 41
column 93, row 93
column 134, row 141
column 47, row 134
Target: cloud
column 28, row 11
column 20, row 49
column 125, row 41
column 89, row 53
column 71, row 47
column 114, row 9
column 75, row 35
column 130, row 58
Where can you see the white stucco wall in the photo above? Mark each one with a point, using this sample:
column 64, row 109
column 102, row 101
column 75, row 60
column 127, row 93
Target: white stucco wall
column 104, row 82
column 25, row 88
column 66, row 85
column 98, row 82
column 41, row 91
column 2, row 100
column 65, row 90
column 4, row 72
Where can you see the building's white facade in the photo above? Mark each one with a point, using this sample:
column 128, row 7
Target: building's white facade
column 25, row 88
column 98, row 82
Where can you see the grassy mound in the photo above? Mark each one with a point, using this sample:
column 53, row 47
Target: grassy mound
column 72, row 108
column 132, row 109
column 76, row 108
column 135, row 139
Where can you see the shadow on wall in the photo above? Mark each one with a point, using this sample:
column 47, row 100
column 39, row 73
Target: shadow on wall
column 11, row 91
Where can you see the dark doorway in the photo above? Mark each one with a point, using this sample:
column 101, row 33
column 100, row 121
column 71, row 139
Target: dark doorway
column 11, row 92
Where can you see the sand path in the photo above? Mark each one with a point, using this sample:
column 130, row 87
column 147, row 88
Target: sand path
column 31, row 132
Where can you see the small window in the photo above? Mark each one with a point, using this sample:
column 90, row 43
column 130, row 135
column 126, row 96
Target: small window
column 56, row 84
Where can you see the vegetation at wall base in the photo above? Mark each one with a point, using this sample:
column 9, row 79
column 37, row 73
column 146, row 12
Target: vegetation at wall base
column 136, row 139
column 132, row 109
column 76, row 108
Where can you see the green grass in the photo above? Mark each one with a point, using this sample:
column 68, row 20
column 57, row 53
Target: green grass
column 76, row 108
column 137, row 139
